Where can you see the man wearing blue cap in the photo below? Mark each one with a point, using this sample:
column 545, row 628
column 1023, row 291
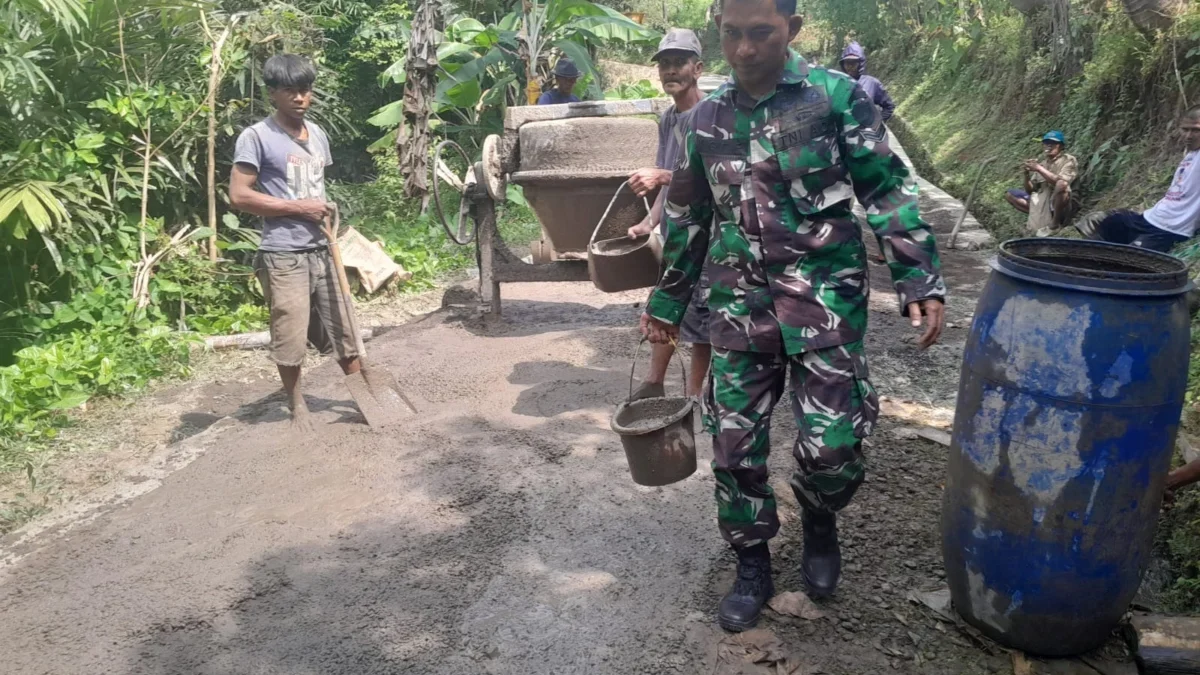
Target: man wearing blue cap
column 566, row 74
column 1047, row 194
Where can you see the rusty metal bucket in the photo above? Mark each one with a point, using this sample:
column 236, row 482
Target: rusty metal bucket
column 657, row 433
column 621, row 263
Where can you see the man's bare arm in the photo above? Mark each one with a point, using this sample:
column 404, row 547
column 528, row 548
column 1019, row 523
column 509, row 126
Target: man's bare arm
column 243, row 197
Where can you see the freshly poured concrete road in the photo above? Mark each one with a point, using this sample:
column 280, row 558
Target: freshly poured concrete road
column 499, row 532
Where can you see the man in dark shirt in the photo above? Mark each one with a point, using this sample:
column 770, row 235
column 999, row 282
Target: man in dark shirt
column 854, row 64
column 566, row 74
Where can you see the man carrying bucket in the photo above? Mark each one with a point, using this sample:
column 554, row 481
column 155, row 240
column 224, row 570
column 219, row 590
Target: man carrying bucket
column 775, row 156
column 679, row 68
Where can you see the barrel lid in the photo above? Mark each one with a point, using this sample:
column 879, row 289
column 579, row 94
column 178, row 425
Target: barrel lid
column 1103, row 267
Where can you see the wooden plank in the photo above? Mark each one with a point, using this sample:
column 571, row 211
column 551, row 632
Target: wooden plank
column 1167, row 645
column 935, row 435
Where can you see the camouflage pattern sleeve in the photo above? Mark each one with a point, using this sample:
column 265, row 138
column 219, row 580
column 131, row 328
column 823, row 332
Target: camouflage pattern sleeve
column 888, row 191
column 689, row 214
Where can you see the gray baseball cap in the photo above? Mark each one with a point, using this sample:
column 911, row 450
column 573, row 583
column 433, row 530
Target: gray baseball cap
column 678, row 39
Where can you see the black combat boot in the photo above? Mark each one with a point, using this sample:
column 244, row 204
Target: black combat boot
column 743, row 603
column 822, row 561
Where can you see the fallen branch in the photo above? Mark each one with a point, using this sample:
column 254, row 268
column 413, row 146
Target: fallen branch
column 263, row 339
column 145, row 267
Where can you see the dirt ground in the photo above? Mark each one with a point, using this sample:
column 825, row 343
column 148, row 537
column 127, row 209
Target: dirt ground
column 496, row 532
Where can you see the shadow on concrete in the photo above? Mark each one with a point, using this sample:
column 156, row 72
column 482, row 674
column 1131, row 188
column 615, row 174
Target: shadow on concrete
column 520, row 318
column 535, row 554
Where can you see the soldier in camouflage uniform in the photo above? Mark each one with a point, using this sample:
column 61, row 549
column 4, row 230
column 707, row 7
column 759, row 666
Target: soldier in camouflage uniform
column 776, row 156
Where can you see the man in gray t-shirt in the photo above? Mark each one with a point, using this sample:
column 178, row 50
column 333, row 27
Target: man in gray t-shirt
column 291, row 167
column 279, row 174
column 679, row 68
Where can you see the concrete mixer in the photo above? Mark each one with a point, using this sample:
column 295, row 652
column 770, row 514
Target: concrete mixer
column 571, row 160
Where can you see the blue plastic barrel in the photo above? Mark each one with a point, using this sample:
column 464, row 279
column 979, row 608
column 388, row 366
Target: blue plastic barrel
column 1072, row 385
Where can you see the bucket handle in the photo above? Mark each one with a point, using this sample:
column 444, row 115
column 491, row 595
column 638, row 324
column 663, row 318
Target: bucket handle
column 633, row 366
column 606, row 211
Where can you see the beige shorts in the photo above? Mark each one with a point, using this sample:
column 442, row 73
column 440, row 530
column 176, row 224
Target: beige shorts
column 292, row 282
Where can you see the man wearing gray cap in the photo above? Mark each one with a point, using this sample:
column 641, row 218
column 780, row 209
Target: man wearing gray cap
column 566, row 74
column 679, row 68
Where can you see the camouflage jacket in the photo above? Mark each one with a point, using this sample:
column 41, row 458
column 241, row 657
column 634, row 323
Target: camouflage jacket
column 765, row 190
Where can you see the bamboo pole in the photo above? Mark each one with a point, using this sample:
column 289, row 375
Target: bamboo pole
column 214, row 82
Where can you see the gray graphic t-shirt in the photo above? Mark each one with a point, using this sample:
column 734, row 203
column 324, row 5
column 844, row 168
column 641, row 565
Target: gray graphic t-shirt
column 671, row 130
column 287, row 169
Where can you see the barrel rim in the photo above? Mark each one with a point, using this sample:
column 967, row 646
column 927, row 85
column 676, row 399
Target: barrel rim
column 1171, row 280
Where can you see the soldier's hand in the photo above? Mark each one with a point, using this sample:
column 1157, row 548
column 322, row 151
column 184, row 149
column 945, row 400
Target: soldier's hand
column 644, row 180
column 932, row 313
column 658, row 332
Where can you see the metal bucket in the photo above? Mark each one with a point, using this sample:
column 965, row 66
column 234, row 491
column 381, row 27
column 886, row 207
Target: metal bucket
column 621, row 263
column 657, row 434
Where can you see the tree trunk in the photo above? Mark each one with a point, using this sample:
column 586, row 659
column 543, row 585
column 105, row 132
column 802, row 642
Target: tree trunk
column 412, row 138
column 1152, row 15
column 1028, row 7
column 215, row 66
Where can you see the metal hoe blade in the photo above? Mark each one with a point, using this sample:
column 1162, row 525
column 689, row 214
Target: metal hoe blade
column 375, row 413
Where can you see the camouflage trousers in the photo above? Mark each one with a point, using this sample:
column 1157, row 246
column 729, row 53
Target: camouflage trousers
column 835, row 407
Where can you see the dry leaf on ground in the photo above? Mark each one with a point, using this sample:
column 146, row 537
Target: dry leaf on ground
column 760, row 646
column 937, row 600
column 1021, row 665
column 796, row 604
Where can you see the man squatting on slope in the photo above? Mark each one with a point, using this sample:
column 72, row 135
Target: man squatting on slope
column 679, row 68
column 777, row 154
column 284, row 156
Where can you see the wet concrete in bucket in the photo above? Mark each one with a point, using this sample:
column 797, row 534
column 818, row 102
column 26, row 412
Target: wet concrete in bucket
column 651, row 414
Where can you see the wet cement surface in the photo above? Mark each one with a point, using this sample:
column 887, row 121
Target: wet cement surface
column 498, row 532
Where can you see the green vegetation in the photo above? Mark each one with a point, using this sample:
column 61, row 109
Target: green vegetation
column 982, row 80
column 116, row 265
column 633, row 90
column 986, row 79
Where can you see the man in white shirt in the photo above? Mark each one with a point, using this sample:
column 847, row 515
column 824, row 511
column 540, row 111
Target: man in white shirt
column 1174, row 218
